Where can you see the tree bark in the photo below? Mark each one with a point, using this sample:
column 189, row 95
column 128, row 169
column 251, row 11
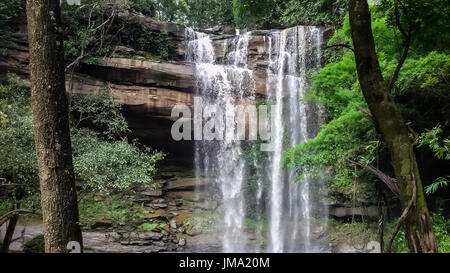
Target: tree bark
column 389, row 122
column 51, row 126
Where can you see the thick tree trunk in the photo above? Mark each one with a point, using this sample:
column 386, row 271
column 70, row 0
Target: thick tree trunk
column 389, row 122
column 51, row 126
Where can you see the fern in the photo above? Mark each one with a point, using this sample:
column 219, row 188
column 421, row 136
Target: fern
column 440, row 183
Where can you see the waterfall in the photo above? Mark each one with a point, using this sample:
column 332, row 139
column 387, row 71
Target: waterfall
column 292, row 52
column 223, row 83
column 222, row 86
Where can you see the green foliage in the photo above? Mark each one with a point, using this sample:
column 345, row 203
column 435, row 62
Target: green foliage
column 348, row 137
column 9, row 10
column 111, row 166
column 399, row 245
column 430, row 30
column 441, row 227
column 103, row 113
column 93, row 30
column 441, row 149
column 149, row 226
column 255, row 13
column 421, row 91
column 157, row 43
column 424, row 73
column 35, row 245
column 351, row 233
column 313, row 12
column 114, row 208
column 208, row 13
column 146, row 7
column 336, row 87
column 5, row 206
column 204, row 222
column 17, row 155
column 103, row 165
column 171, row 10
column 440, row 183
column 256, row 225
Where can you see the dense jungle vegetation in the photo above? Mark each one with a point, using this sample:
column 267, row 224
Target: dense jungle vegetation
column 348, row 152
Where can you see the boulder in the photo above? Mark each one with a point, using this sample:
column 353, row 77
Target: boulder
column 182, row 242
column 173, row 224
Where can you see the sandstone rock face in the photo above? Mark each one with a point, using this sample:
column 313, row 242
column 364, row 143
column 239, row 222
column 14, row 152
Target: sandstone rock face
column 179, row 76
column 371, row 211
column 157, row 101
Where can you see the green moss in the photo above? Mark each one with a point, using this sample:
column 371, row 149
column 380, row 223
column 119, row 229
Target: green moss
column 148, row 226
column 352, row 233
column 204, row 222
column 253, row 225
column 35, row 245
column 115, row 208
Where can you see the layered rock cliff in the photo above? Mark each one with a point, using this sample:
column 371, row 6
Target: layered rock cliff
column 149, row 89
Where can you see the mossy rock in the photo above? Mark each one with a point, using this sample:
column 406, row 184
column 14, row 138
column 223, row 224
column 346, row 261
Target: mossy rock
column 35, row 245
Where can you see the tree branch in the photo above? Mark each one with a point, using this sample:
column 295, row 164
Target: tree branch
column 366, row 113
column 90, row 28
column 406, row 43
column 340, row 45
column 390, row 182
column 10, row 214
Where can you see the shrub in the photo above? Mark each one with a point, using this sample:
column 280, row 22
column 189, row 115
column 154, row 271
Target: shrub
column 102, row 112
column 111, row 166
column 115, row 208
column 441, row 226
column 9, row 9
column 157, row 43
column 17, row 155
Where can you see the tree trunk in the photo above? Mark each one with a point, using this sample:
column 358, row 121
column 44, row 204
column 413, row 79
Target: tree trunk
column 51, row 126
column 389, row 122
column 9, row 233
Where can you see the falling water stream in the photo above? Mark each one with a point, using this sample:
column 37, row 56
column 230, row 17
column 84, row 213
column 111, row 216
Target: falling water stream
column 222, row 83
column 292, row 53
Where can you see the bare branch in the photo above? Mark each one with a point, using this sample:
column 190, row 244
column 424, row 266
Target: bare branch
column 406, row 43
column 340, row 45
column 10, row 214
column 91, row 29
column 390, row 182
column 366, row 113
column 76, row 62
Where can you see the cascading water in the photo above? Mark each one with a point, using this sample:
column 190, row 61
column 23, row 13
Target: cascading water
column 292, row 52
column 223, row 84
column 221, row 87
